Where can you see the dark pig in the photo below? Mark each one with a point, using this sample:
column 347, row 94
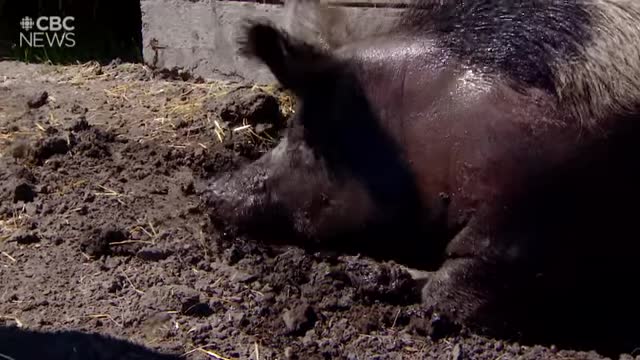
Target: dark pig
column 492, row 141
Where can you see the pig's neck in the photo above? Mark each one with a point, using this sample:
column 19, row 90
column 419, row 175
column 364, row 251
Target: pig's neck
column 409, row 84
column 402, row 78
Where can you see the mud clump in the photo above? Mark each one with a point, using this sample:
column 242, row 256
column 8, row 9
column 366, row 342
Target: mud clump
column 80, row 137
column 254, row 108
column 23, row 192
column 299, row 319
column 93, row 142
column 99, row 242
column 25, row 238
column 49, row 147
column 383, row 283
column 290, row 268
column 38, row 100
column 18, row 185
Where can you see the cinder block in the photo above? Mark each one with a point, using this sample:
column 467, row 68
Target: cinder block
column 200, row 35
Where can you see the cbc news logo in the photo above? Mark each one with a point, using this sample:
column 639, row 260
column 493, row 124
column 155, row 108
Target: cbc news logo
column 51, row 31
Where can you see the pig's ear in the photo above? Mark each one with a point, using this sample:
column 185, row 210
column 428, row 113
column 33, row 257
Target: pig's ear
column 295, row 63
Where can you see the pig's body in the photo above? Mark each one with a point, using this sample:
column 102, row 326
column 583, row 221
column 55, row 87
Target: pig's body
column 400, row 142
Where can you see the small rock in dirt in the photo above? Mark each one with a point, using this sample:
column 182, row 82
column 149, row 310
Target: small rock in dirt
column 154, row 323
column 190, row 303
column 456, row 353
column 99, row 240
column 299, row 319
column 23, row 192
column 153, row 254
column 25, row 238
column 32, row 209
column 38, row 100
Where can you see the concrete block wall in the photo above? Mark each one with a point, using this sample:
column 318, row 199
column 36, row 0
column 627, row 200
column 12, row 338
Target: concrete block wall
column 200, row 35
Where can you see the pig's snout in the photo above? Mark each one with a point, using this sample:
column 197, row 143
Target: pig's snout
column 235, row 198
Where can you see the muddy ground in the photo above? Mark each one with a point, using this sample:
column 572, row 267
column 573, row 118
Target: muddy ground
column 107, row 253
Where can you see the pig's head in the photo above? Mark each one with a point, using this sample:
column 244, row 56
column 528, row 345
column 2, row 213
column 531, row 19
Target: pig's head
column 335, row 173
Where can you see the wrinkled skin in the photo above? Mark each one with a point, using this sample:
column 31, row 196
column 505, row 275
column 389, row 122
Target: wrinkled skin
column 399, row 150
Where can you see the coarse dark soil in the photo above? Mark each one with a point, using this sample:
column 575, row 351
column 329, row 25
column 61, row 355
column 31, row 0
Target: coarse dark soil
column 107, row 253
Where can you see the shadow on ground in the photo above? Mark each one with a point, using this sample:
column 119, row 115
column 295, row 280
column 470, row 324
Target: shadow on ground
column 18, row 344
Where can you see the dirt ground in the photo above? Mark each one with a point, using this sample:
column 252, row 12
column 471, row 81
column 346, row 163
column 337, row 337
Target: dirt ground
column 107, row 253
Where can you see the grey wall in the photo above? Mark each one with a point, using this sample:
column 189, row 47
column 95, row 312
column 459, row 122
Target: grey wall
column 199, row 36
